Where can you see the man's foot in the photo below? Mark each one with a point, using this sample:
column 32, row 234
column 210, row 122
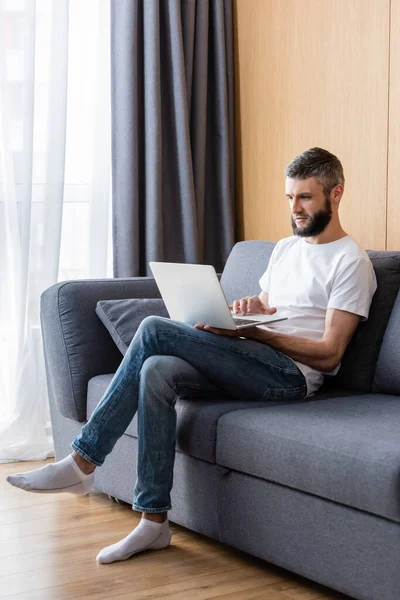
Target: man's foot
column 148, row 535
column 62, row 476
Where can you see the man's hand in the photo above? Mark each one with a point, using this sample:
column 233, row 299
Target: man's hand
column 246, row 306
column 251, row 305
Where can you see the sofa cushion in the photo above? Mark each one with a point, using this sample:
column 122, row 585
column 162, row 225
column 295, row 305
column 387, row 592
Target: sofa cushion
column 359, row 361
column 387, row 374
column 123, row 317
column 196, row 419
column 344, row 449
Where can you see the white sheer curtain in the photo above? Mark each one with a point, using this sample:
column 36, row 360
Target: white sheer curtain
column 55, row 204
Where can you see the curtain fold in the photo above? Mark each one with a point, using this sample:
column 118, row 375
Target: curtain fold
column 30, row 223
column 55, row 158
column 172, row 140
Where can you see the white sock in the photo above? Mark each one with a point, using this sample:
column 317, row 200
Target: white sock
column 148, row 535
column 62, row 476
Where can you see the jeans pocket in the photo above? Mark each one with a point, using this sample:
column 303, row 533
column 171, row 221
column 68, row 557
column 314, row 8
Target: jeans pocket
column 285, row 394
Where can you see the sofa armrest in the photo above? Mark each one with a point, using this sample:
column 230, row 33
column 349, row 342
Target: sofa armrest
column 77, row 346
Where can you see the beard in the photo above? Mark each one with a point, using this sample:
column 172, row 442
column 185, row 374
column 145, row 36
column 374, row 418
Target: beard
column 317, row 222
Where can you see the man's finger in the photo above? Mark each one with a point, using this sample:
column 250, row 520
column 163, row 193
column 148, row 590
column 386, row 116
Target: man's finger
column 243, row 305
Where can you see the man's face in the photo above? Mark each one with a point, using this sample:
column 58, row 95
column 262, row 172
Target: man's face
column 309, row 206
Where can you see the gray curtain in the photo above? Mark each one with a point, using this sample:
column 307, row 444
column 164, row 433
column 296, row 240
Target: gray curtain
column 173, row 133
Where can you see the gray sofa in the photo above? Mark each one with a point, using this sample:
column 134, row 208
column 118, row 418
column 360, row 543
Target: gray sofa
column 313, row 487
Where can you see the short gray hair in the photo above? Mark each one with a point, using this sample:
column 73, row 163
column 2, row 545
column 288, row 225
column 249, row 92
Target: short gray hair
column 319, row 163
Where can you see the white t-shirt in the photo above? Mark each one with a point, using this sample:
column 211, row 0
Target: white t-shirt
column 303, row 280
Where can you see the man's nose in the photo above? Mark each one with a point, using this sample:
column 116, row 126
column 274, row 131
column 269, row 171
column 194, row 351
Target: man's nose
column 297, row 207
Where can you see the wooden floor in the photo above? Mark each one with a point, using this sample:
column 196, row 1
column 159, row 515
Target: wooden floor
column 48, row 545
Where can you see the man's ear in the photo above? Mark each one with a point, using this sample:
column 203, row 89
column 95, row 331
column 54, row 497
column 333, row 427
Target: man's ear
column 337, row 193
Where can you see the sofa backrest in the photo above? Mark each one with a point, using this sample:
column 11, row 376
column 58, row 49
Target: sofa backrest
column 387, row 374
column 246, row 264
column 248, row 261
column 360, row 359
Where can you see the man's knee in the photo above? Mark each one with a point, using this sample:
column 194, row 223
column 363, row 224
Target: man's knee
column 160, row 377
column 152, row 325
column 152, row 322
column 169, row 368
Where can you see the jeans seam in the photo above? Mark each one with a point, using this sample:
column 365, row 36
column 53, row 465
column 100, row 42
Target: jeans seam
column 246, row 354
column 151, row 510
column 198, row 388
column 83, row 454
column 112, row 404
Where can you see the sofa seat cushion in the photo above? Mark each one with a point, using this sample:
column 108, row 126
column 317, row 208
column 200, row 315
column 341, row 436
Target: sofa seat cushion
column 196, row 419
column 343, row 449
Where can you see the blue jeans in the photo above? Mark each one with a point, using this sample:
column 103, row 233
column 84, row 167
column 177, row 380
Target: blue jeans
column 165, row 359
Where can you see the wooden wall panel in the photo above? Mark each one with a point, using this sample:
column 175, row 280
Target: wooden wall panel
column 311, row 73
column 393, row 222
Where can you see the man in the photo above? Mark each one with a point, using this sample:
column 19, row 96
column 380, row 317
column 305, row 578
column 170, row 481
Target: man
column 319, row 277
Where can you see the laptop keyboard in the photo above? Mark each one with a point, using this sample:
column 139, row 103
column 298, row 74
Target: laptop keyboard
column 239, row 322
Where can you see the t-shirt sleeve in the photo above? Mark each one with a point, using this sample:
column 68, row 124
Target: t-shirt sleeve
column 266, row 278
column 354, row 287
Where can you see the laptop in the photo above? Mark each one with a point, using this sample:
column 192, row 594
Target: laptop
column 193, row 294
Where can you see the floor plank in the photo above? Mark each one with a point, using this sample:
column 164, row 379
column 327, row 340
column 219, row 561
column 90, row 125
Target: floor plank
column 48, row 545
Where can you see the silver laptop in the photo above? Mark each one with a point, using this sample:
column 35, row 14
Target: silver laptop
column 193, row 294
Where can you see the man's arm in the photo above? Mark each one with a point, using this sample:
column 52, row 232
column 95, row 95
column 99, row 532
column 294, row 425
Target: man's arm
column 323, row 355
